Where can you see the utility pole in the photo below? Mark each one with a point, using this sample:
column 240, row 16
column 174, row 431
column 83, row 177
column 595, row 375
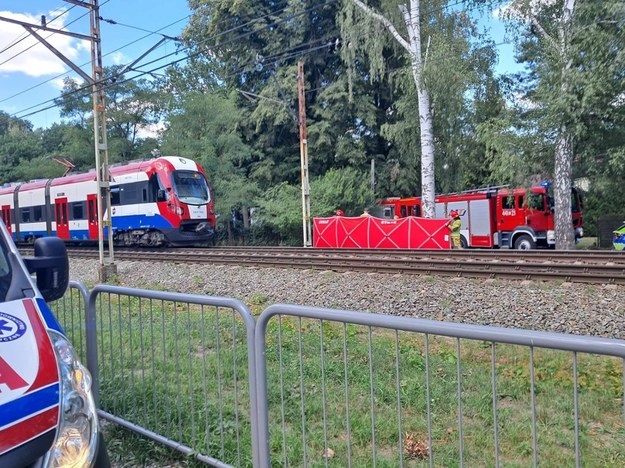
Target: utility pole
column 303, row 146
column 107, row 266
column 96, row 80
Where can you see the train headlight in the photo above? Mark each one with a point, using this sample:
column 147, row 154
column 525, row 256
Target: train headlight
column 77, row 436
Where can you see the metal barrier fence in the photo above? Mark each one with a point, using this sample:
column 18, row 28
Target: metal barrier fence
column 307, row 386
column 178, row 368
column 70, row 310
column 360, row 389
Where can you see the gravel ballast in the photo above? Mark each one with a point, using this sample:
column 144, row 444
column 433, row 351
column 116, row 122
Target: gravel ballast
column 597, row 310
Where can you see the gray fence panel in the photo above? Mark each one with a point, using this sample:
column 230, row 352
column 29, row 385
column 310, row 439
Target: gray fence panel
column 136, row 336
column 312, row 399
column 70, row 311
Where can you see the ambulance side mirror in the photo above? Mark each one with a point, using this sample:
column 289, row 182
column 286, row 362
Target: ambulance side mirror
column 51, row 266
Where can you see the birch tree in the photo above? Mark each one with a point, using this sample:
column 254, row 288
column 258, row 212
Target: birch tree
column 574, row 53
column 412, row 44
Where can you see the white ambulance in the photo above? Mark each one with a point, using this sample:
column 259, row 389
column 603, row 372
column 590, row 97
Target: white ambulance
column 47, row 413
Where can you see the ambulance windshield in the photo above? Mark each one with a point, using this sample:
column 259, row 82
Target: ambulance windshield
column 5, row 274
column 190, row 187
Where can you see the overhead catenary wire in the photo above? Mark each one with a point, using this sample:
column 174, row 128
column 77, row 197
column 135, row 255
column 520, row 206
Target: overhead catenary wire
column 279, row 10
column 194, row 54
column 87, row 63
column 24, row 35
column 47, row 37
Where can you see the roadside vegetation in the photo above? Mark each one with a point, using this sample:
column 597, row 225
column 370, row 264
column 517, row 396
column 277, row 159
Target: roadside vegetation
column 182, row 372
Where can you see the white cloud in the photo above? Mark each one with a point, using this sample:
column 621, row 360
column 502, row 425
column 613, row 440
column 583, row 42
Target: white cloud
column 57, row 83
column 31, row 57
column 117, row 58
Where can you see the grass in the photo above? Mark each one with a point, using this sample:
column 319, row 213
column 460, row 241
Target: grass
column 181, row 371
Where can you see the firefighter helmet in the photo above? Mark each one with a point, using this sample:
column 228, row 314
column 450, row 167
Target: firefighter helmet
column 454, row 214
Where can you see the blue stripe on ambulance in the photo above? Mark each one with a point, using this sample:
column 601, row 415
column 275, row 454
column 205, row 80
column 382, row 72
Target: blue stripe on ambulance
column 29, row 404
column 48, row 316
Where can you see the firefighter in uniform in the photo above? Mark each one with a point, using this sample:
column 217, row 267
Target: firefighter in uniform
column 454, row 226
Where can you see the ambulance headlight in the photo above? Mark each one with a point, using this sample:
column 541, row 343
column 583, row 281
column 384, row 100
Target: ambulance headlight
column 76, row 440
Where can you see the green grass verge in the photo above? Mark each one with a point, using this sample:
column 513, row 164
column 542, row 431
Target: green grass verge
column 182, row 372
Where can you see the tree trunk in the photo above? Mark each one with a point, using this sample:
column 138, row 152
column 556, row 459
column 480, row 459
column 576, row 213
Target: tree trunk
column 565, row 236
column 412, row 19
column 428, row 190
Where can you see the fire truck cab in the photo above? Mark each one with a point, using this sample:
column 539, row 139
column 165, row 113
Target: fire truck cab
column 496, row 217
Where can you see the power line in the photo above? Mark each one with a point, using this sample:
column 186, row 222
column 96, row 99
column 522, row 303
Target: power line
column 288, row 18
column 110, row 21
column 87, row 63
column 24, row 35
column 278, row 58
column 84, row 88
column 47, row 37
column 278, row 10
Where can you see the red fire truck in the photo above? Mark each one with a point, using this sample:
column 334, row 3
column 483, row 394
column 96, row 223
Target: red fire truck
column 496, row 216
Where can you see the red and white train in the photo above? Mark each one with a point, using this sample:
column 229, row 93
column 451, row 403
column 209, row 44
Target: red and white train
column 496, row 216
column 163, row 201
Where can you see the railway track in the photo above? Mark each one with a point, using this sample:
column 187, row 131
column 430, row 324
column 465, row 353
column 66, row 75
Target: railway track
column 571, row 266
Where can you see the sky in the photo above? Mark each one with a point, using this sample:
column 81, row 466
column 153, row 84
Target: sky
column 35, row 76
column 31, row 76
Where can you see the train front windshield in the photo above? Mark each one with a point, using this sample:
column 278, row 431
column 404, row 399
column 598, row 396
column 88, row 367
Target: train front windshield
column 190, row 187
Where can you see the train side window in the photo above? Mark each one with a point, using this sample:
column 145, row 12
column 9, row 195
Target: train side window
column 115, row 196
column 155, row 187
column 25, row 215
column 38, row 213
column 77, row 211
column 129, row 194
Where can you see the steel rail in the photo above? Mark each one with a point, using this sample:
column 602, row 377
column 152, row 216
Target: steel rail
column 518, row 266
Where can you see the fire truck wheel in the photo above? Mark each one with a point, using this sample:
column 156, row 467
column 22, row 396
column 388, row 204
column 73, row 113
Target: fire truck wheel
column 463, row 242
column 524, row 242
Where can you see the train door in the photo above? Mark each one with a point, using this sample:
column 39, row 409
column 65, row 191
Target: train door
column 62, row 223
column 6, row 216
column 92, row 216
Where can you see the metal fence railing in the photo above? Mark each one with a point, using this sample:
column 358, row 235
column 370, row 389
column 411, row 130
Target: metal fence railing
column 304, row 386
column 70, row 310
column 358, row 389
column 179, row 365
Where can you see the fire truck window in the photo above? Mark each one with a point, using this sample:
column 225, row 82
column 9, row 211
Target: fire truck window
column 536, row 202
column 520, row 201
column 403, row 211
column 507, row 203
column 388, row 212
column 417, row 210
